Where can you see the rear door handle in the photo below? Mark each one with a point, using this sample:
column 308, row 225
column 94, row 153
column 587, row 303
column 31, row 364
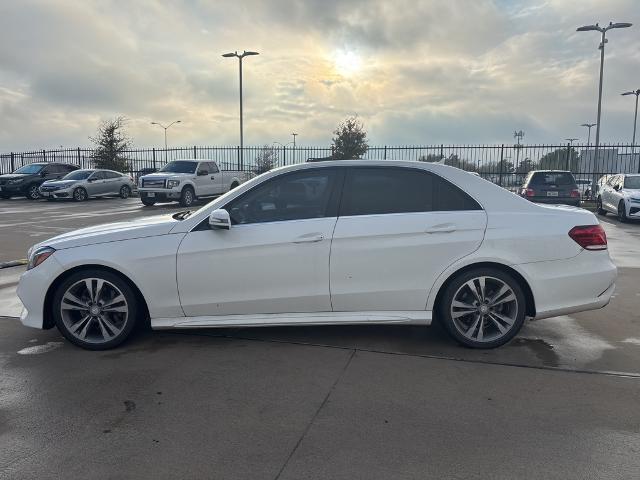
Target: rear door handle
column 309, row 238
column 442, row 228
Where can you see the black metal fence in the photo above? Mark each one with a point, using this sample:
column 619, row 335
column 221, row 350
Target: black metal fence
column 505, row 165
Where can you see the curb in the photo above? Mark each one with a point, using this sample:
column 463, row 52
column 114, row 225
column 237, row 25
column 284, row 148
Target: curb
column 13, row 263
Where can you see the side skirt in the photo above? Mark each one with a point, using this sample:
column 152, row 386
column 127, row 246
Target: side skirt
column 283, row 319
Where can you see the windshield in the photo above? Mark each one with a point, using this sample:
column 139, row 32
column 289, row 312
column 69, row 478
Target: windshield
column 78, row 175
column 179, row 167
column 29, row 169
column 632, row 182
column 552, row 178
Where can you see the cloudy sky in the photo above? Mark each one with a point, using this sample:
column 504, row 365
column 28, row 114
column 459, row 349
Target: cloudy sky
column 414, row 71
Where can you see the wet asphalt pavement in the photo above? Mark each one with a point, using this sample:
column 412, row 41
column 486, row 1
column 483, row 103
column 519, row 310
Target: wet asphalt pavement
column 560, row 401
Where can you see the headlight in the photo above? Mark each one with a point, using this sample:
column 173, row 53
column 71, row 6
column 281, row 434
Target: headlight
column 39, row 255
column 173, row 183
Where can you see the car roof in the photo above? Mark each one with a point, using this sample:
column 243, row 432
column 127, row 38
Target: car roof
column 191, row 160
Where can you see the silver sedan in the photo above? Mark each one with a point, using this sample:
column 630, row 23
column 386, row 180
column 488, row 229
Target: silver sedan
column 79, row 185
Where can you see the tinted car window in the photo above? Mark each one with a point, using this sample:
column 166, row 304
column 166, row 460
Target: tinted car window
column 109, row 174
column 78, row 175
column 213, row 168
column 293, row 196
column 30, row 169
column 632, row 182
column 97, row 176
column 372, row 191
column 552, row 178
column 180, row 166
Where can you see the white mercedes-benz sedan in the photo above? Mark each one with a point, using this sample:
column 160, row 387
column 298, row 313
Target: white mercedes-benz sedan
column 335, row 242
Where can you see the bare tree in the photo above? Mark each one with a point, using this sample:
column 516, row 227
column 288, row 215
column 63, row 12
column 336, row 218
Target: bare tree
column 111, row 143
column 350, row 139
column 266, row 159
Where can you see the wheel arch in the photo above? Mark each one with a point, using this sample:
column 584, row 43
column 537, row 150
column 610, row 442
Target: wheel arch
column 530, row 307
column 48, row 320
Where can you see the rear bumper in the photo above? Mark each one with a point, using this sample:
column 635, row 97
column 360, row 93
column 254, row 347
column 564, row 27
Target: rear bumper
column 555, row 200
column 584, row 282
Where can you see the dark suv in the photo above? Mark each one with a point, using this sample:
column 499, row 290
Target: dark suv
column 26, row 180
column 551, row 186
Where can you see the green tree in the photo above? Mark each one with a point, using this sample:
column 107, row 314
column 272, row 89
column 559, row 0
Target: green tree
column 265, row 160
column 350, row 139
column 526, row 166
column 111, row 143
column 557, row 160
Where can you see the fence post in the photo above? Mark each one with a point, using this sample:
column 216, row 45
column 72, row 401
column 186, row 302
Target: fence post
column 385, row 152
column 238, row 151
column 78, row 153
column 13, row 167
column 44, row 156
column 154, row 159
column 569, row 156
column 195, row 154
column 441, row 151
column 501, row 164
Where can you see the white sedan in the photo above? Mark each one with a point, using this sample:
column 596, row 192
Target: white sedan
column 335, row 242
column 620, row 195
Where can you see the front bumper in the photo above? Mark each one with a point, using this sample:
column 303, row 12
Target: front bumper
column 62, row 193
column 160, row 194
column 15, row 189
column 32, row 289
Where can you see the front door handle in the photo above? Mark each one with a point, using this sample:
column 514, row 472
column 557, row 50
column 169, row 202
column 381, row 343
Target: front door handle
column 442, row 228
column 309, row 238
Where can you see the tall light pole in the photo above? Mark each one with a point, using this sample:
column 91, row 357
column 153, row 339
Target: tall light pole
column 294, row 139
column 571, row 140
column 240, row 56
column 518, row 135
column 603, row 41
column 589, row 126
column 165, row 133
column 635, row 122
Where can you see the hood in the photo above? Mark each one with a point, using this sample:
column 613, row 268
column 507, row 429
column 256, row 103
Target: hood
column 15, row 176
column 60, row 183
column 164, row 175
column 113, row 232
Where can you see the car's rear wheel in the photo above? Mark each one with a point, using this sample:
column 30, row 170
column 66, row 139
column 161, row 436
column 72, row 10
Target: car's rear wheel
column 125, row 191
column 147, row 202
column 187, row 197
column 483, row 308
column 95, row 309
column 80, row 194
column 622, row 211
column 33, row 192
column 600, row 210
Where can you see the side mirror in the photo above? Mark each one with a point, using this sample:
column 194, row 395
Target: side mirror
column 616, row 188
column 220, row 219
column 203, row 172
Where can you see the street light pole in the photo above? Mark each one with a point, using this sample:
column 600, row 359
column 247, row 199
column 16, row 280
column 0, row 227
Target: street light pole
column 603, row 41
column 165, row 133
column 240, row 57
column 635, row 117
column 589, row 126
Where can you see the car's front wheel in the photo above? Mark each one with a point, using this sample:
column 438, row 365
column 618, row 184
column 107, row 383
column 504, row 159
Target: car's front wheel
column 483, row 308
column 147, row 202
column 95, row 309
column 187, row 197
column 622, row 211
column 600, row 210
column 80, row 194
column 125, row 191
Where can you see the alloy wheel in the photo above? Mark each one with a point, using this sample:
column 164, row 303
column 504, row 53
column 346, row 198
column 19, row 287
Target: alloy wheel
column 484, row 309
column 94, row 310
column 124, row 191
column 33, row 192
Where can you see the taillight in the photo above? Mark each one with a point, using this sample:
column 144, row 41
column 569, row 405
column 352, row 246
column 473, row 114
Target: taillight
column 575, row 193
column 589, row 237
column 528, row 192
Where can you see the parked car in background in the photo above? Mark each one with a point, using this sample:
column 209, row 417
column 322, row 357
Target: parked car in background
column 620, row 195
column 26, row 181
column 186, row 180
column 80, row 185
column 551, row 186
column 584, row 186
column 336, row 242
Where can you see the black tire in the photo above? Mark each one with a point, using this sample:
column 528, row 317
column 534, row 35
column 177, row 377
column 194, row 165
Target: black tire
column 125, row 191
column 622, row 212
column 131, row 304
column 32, row 192
column 80, row 195
column 147, row 202
column 599, row 209
column 456, row 285
column 187, row 197
column 233, row 185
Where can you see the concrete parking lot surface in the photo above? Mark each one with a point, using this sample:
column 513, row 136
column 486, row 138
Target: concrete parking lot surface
column 562, row 400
